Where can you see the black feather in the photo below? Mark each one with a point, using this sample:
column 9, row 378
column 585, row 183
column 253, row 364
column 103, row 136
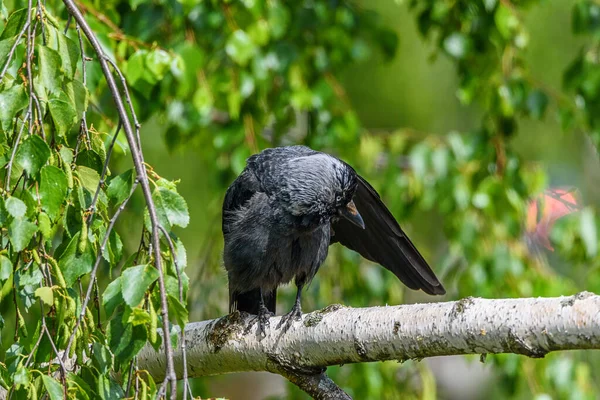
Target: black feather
column 249, row 301
column 383, row 241
column 278, row 218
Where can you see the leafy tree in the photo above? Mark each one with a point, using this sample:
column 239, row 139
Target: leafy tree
column 230, row 78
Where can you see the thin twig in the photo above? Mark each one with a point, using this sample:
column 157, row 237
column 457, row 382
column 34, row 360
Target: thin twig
column 88, row 294
column 84, row 75
column 174, row 254
column 92, row 208
column 30, row 47
column 129, row 378
column 35, row 346
column 39, row 115
column 129, row 103
column 14, row 151
column 11, row 53
column 183, row 344
column 142, row 176
column 40, row 18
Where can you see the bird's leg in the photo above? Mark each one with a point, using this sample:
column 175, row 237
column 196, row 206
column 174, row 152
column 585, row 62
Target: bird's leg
column 295, row 313
column 263, row 315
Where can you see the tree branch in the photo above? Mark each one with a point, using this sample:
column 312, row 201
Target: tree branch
column 340, row 335
column 138, row 162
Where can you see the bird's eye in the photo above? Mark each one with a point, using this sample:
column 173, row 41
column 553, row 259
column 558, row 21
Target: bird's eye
column 338, row 198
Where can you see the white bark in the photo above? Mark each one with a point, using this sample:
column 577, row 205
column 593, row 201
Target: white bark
column 341, row 335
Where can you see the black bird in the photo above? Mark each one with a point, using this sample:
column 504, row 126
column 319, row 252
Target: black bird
column 284, row 210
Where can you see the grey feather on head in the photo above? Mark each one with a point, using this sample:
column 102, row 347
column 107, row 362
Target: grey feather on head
column 317, row 185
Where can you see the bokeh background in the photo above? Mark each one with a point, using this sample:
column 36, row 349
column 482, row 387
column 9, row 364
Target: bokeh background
column 394, row 111
column 477, row 121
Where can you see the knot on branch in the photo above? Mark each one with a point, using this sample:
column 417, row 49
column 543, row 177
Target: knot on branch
column 224, row 329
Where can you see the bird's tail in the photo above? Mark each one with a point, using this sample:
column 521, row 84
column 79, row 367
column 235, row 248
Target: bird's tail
column 249, row 301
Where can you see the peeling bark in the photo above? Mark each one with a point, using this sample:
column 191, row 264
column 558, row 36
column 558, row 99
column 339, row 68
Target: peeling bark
column 340, row 335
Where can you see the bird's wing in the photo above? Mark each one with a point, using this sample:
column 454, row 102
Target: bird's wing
column 384, row 242
column 238, row 194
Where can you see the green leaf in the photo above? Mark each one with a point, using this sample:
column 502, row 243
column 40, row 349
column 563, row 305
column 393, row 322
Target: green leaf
column 54, row 388
column 89, row 178
column 115, row 247
column 12, row 101
column 20, row 233
column 101, row 357
column 171, row 208
column 90, row 159
column 135, row 281
column 69, row 54
column 72, row 263
column 3, row 212
column 15, row 24
column 45, row 294
column 108, row 389
column 15, row 207
column 120, row 187
column 63, row 113
column 6, row 268
column 111, row 298
column 158, row 63
column 79, row 96
column 53, row 190
column 240, row 47
column 138, row 316
column 177, row 310
column 50, row 68
column 125, row 340
column 78, row 386
column 21, row 377
column 32, row 154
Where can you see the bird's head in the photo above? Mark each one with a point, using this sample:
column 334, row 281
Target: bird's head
column 319, row 188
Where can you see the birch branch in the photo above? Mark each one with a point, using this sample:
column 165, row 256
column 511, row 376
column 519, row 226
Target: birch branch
column 339, row 335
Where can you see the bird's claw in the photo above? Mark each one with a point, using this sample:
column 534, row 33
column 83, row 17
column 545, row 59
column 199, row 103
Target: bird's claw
column 286, row 320
column 263, row 320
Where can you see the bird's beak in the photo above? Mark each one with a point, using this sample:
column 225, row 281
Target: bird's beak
column 351, row 214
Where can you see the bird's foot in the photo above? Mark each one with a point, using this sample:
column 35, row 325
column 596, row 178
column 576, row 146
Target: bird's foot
column 263, row 320
column 294, row 315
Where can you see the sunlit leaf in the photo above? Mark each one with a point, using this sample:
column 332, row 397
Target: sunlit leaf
column 32, row 154
column 20, row 232
column 74, row 264
column 171, row 208
column 54, row 388
column 120, row 187
column 45, row 294
column 135, row 281
column 112, row 298
column 50, row 68
column 15, row 207
column 15, row 24
column 6, row 267
column 12, row 101
column 89, row 178
column 63, row 113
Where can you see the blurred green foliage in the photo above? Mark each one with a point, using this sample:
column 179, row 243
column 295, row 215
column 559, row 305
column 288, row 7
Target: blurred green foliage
column 220, row 80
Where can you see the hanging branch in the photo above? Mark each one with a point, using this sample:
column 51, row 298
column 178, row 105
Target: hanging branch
column 136, row 153
column 88, row 293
